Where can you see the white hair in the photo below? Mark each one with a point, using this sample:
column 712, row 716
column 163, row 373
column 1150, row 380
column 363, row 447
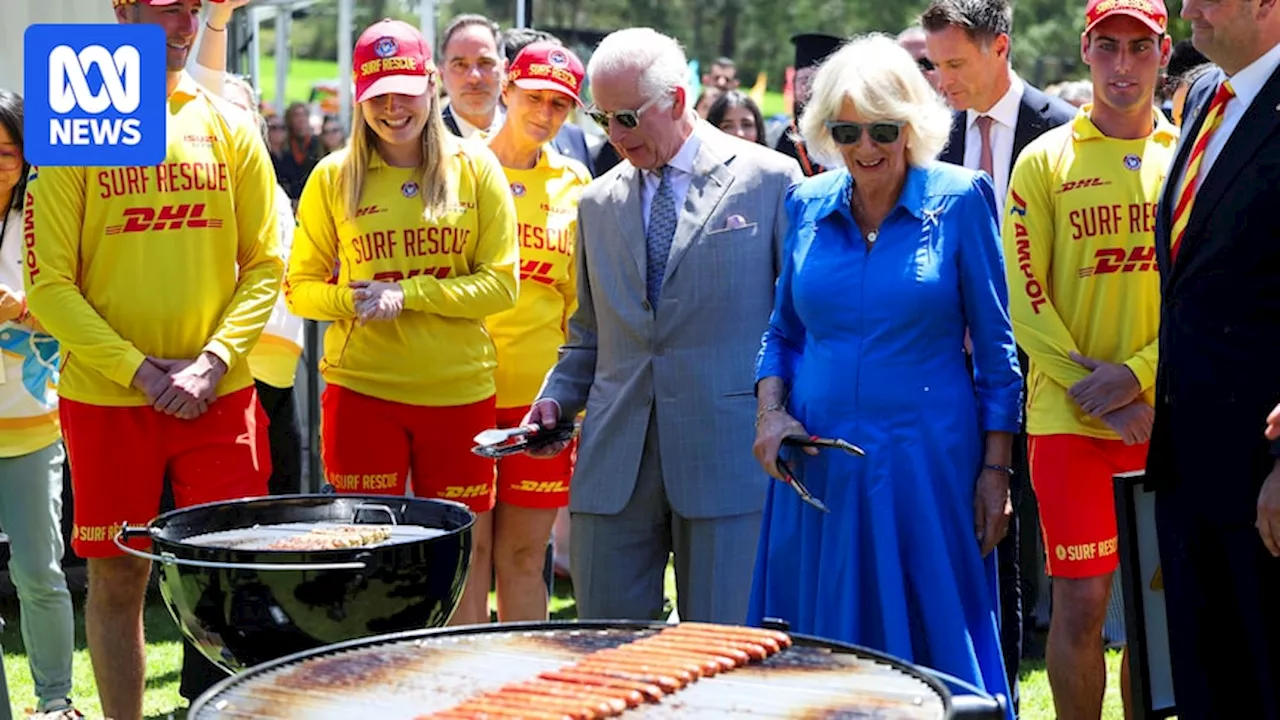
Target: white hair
column 884, row 83
column 660, row 59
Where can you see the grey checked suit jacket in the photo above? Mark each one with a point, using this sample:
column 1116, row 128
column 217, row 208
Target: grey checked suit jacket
column 693, row 355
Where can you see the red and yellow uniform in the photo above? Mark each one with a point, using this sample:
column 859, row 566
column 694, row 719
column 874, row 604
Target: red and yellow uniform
column 1080, row 255
column 409, row 392
column 167, row 261
column 528, row 337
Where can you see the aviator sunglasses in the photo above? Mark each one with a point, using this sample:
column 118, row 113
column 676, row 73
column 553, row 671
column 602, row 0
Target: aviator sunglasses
column 885, row 132
column 628, row 119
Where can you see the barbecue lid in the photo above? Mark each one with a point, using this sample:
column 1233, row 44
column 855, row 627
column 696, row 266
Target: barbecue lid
column 410, row 675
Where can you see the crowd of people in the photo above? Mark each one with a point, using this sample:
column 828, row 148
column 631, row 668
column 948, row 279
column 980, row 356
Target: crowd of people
column 988, row 289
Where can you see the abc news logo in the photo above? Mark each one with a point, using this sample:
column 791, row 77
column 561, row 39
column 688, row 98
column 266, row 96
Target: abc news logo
column 95, row 94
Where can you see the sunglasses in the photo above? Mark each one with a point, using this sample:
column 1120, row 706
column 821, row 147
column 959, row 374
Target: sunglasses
column 926, row 65
column 628, row 119
column 881, row 133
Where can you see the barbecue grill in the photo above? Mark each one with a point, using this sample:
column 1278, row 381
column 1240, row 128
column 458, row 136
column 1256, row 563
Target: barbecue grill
column 411, row 675
column 242, row 606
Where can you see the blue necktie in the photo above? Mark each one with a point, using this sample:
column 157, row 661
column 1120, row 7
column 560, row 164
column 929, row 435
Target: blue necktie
column 658, row 237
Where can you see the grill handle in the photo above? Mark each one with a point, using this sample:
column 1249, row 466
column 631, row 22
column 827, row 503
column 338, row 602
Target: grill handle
column 128, row 532
column 973, row 704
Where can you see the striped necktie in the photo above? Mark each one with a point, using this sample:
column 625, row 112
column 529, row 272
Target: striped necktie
column 1190, row 176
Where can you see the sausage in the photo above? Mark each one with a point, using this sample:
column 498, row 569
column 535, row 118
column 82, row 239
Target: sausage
column 581, row 708
column 482, row 708
column 650, row 691
column 768, row 645
column 750, row 633
column 712, row 662
column 616, row 698
column 708, row 647
column 668, row 681
column 655, row 658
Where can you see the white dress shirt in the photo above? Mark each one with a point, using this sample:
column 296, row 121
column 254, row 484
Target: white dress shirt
column 680, row 172
column 1005, row 115
column 469, row 131
column 1246, row 83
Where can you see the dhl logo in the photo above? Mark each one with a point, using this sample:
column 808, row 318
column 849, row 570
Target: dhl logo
column 534, row 486
column 369, row 210
column 454, row 492
column 1070, row 185
column 1118, row 260
column 537, row 271
column 396, row 276
column 168, row 217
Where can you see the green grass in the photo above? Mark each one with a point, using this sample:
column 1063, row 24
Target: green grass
column 164, row 661
column 305, row 73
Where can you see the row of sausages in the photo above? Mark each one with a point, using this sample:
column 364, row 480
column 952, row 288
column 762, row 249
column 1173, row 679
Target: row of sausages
column 608, row 682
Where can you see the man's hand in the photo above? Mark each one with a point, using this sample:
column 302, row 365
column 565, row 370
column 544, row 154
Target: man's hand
column 545, row 413
column 11, row 305
column 191, row 386
column 377, row 300
column 1109, row 387
column 151, row 379
column 220, row 12
column 1133, row 422
column 992, row 509
column 1273, row 424
column 1268, row 522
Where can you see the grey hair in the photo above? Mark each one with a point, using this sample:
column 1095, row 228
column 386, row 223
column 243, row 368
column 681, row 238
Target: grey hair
column 883, row 83
column 660, row 59
column 915, row 32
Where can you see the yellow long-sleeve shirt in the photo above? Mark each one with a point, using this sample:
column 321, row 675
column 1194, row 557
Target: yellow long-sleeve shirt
column 528, row 337
column 454, row 272
column 1080, row 255
column 166, row 261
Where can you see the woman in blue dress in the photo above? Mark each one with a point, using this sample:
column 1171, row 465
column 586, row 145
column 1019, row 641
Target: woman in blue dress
column 888, row 262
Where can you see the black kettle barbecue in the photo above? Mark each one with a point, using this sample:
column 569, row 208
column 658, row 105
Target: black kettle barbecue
column 243, row 604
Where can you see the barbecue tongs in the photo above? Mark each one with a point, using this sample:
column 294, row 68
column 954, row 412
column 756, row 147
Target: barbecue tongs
column 501, row 442
column 812, row 441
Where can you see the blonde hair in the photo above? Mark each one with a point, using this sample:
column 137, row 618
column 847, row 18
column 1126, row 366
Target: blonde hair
column 233, row 83
column 883, row 82
column 434, row 168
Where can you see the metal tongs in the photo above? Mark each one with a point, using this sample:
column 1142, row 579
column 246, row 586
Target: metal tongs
column 802, row 441
column 501, row 442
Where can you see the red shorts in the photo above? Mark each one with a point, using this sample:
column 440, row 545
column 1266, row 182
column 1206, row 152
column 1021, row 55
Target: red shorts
column 120, row 457
column 531, row 482
column 370, row 446
column 1072, row 477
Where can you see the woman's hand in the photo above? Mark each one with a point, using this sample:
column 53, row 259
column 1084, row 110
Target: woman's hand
column 377, row 300
column 992, row 509
column 775, row 425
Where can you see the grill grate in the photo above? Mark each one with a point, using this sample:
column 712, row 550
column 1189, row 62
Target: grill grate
column 407, row 678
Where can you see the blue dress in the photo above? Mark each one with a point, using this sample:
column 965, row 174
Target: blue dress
column 870, row 345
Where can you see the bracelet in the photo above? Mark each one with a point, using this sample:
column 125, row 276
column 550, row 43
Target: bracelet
column 771, row 407
column 999, row 468
column 214, row 29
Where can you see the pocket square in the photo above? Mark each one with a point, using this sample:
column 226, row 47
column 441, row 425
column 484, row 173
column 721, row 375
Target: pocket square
column 733, row 222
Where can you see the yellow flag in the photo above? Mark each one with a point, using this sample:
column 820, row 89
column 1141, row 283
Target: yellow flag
column 758, row 90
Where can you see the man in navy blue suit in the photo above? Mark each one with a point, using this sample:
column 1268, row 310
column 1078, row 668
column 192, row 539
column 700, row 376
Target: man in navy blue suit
column 570, row 141
column 1216, row 474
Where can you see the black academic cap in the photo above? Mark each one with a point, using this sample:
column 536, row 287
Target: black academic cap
column 813, row 48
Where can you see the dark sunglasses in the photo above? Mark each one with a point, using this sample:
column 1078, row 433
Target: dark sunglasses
column 926, row 65
column 885, row 132
column 628, row 119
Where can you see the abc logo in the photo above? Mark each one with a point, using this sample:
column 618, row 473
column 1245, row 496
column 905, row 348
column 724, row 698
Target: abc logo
column 69, row 90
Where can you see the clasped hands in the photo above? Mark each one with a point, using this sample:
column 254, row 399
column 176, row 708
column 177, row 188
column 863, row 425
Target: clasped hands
column 377, row 300
column 182, row 388
column 1112, row 393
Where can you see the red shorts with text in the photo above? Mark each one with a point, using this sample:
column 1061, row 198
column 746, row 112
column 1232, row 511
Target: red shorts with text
column 371, row 446
column 1072, row 476
column 120, row 457
column 530, row 482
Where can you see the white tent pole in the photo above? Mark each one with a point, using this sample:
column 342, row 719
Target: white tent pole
column 427, row 22
column 255, row 46
column 345, row 21
column 283, row 16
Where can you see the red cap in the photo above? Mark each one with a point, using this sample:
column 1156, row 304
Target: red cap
column 548, row 66
column 152, row 3
column 1152, row 13
column 391, row 57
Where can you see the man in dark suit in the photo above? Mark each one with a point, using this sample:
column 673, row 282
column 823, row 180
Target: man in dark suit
column 811, row 50
column 570, row 141
column 997, row 115
column 472, row 68
column 1217, row 477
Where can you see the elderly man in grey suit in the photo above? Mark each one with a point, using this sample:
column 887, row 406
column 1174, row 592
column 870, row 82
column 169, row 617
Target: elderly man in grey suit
column 678, row 250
